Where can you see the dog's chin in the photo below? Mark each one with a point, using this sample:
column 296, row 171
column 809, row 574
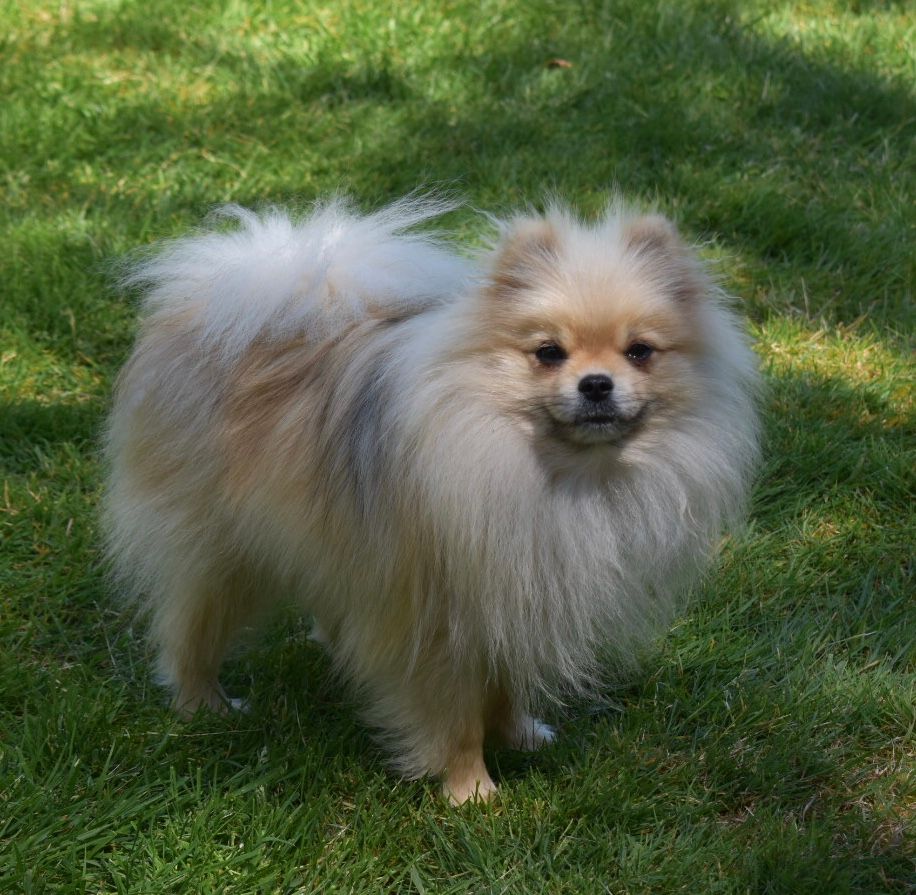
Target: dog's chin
column 596, row 429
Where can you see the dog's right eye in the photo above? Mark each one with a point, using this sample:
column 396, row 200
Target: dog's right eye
column 550, row 354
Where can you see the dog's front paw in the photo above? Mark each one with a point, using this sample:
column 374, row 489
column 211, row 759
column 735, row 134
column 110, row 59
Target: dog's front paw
column 469, row 789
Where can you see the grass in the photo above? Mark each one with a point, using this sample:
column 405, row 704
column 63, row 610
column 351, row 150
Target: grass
column 770, row 745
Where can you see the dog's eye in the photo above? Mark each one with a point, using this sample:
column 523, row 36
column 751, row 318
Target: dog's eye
column 550, row 354
column 638, row 353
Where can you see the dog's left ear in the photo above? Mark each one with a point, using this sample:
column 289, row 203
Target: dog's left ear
column 528, row 250
column 656, row 238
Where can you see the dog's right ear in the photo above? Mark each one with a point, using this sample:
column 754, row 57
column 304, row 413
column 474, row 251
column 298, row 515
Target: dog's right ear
column 528, row 249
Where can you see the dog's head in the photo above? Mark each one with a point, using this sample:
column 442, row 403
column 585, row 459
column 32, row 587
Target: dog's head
column 596, row 335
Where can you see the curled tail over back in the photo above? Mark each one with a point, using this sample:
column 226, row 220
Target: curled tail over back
column 275, row 276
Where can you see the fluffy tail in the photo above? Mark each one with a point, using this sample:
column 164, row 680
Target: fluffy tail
column 274, row 276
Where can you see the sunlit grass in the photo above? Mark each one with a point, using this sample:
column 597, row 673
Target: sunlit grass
column 769, row 745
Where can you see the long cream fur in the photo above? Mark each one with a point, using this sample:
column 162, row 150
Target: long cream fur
column 344, row 410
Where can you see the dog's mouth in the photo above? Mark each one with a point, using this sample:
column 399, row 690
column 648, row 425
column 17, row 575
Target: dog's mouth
column 601, row 427
column 598, row 419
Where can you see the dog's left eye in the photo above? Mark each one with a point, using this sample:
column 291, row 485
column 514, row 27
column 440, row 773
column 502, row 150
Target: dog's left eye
column 638, row 353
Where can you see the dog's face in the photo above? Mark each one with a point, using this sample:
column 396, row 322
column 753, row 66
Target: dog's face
column 595, row 331
column 600, row 386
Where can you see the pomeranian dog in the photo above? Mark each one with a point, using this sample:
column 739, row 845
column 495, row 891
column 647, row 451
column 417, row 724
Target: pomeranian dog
column 486, row 480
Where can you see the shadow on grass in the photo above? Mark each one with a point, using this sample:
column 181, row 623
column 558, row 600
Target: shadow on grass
column 788, row 157
column 32, row 428
column 761, row 738
column 834, row 594
column 838, row 471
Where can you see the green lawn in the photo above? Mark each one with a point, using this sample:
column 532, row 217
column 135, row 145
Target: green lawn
column 770, row 744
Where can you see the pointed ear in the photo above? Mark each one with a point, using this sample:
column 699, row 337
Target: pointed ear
column 656, row 239
column 529, row 248
column 652, row 233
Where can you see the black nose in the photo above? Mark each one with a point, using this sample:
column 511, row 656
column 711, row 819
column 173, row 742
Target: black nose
column 595, row 387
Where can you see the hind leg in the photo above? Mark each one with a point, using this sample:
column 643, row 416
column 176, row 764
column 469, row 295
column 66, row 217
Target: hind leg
column 193, row 626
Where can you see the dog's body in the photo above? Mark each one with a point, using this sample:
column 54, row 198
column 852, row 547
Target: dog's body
column 476, row 479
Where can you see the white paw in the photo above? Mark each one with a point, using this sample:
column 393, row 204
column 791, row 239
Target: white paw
column 318, row 635
column 239, row 705
column 530, row 734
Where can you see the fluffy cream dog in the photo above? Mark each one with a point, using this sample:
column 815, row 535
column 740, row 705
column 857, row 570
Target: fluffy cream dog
column 478, row 477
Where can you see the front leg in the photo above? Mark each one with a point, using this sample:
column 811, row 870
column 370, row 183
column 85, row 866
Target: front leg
column 435, row 721
column 465, row 775
column 522, row 731
column 515, row 727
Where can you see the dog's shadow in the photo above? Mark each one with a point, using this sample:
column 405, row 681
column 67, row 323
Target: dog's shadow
column 300, row 707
